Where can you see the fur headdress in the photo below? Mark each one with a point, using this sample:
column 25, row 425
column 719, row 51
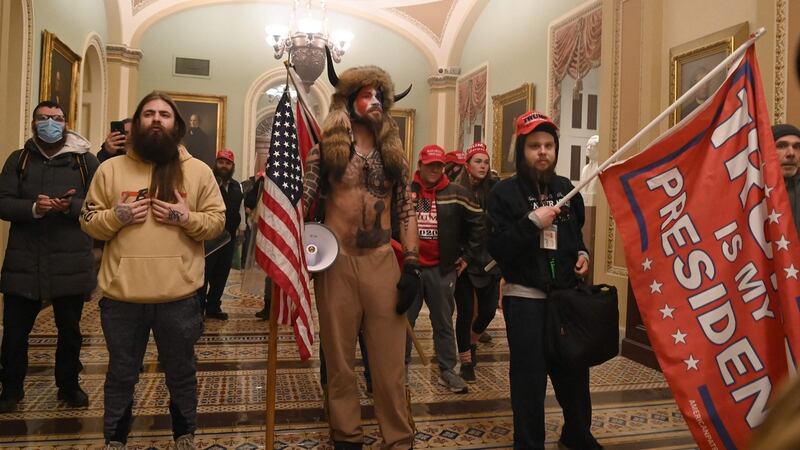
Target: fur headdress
column 336, row 130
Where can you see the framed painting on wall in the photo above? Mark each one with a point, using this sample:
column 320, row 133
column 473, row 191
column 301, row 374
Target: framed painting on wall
column 60, row 72
column 691, row 61
column 404, row 118
column 205, row 124
column 507, row 107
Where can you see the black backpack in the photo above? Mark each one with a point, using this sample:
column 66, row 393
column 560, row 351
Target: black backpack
column 25, row 156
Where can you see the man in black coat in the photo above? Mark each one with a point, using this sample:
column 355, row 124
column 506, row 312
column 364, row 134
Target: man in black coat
column 539, row 247
column 218, row 264
column 48, row 257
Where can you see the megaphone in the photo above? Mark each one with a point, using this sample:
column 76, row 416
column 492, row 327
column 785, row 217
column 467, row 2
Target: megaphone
column 320, row 246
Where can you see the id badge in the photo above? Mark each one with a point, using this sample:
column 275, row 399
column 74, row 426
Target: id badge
column 549, row 238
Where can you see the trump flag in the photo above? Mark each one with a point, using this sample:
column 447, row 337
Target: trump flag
column 713, row 259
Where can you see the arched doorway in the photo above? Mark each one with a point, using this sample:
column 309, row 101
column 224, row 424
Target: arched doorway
column 259, row 105
column 92, row 114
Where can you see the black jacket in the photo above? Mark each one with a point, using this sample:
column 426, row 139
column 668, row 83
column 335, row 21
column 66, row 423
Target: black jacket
column 460, row 224
column 514, row 239
column 49, row 257
column 478, row 276
column 233, row 201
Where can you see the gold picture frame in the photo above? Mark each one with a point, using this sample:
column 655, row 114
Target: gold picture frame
column 690, row 61
column 404, row 118
column 507, row 107
column 204, row 143
column 60, row 74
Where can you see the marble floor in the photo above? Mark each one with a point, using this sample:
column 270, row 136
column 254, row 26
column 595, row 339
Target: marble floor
column 633, row 407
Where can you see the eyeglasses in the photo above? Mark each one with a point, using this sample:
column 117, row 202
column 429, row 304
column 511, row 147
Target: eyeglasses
column 43, row 117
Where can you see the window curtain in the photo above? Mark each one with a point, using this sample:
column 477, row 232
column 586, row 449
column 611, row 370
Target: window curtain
column 471, row 103
column 575, row 52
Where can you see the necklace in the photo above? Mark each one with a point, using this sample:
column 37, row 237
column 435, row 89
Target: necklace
column 364, row 157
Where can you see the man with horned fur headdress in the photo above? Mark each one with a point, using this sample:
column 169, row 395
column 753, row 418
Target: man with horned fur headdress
column 361, row 171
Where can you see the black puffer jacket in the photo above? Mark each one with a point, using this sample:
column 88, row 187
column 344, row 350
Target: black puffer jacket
column 49, row 257
column 514, row 239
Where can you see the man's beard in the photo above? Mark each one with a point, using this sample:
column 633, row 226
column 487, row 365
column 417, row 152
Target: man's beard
column 368, row 120
column 157, row 148
column 541, row 177
column 223, row 174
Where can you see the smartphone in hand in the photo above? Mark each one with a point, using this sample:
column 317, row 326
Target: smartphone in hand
column 118, row 126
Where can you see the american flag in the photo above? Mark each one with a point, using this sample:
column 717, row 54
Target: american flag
column 279, row 246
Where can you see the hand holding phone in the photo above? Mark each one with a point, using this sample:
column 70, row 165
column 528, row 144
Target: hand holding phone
column 62, row 202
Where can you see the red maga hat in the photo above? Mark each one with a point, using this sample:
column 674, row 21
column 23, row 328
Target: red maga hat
column 431, row 153
column 225, row 154
column 532, row 120
column 455, row 156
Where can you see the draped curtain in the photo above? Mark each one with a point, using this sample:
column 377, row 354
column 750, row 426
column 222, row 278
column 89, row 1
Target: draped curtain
column 471, row 103
column 575, row 52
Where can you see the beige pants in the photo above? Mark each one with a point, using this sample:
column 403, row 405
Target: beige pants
column 358, row 293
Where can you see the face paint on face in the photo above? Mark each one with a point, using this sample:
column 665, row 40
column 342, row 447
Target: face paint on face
column 367, row 104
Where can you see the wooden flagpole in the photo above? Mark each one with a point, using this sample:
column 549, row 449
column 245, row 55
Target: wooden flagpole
column 272, row 365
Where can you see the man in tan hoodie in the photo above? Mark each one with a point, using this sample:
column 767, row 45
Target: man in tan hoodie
column 154, row 207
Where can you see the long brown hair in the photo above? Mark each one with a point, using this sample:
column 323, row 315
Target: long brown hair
column 167, row 176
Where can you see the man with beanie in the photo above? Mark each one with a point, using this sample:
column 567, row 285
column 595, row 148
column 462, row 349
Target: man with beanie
column 48, row 258
column 451, row 231
column 539, row 247
column 154, row 207
column 787, row 143
column 359, row 176
column 218, row 263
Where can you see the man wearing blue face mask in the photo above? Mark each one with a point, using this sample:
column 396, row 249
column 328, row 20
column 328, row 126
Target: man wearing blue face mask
column 48, row 257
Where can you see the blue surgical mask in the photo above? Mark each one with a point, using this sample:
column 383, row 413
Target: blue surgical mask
column 50, row 131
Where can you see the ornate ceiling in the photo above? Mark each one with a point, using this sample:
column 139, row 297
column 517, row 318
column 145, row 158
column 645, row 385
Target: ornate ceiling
column 437, row 27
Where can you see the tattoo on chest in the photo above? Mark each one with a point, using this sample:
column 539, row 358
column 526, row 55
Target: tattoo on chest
column 374, row 175
column 372, row 235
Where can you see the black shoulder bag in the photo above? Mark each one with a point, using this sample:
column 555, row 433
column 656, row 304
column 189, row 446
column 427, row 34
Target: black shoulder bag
column 582, row 327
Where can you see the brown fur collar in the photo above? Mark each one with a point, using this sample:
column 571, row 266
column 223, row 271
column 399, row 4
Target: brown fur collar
column 336, row 131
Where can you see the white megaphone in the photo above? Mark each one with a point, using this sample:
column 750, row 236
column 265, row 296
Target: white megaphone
column 320, row 245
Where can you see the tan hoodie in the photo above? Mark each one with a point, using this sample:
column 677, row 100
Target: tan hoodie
column 151, row 262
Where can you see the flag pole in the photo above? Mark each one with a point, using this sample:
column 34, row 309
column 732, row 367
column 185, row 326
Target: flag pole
column 272, row 364
column 687, row 95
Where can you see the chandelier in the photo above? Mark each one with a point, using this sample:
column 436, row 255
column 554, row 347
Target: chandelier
column 305, row 40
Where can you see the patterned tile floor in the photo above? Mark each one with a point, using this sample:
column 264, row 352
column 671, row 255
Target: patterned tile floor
column 633, row 408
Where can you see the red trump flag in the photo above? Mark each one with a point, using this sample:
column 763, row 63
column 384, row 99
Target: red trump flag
column 713, row 258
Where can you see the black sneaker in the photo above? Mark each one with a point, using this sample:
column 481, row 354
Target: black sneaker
column 263, row 314
column 468, row 372
column 485, row 338
column 75, row 398
column 8, row 405
column 218, row 315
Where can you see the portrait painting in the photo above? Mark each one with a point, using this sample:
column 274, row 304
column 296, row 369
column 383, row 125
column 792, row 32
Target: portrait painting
column 59, row 76
column 205, row 124
column 692, row 61
column 506, row 108
column 404, row 118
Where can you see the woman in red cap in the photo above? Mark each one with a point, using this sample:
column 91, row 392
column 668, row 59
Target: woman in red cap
column 475, row 281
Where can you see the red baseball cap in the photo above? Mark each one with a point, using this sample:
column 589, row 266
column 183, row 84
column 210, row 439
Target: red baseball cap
column 455, row 156
column 225, row 154
column 431, row 153
column 530, row 121
column 474, row 149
